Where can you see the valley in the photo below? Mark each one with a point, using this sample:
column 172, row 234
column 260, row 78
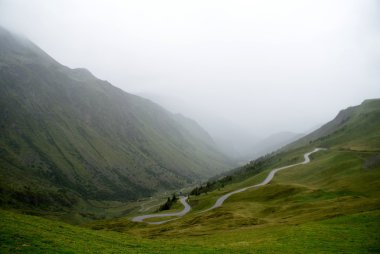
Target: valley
column 301, row 208
column 86, row 167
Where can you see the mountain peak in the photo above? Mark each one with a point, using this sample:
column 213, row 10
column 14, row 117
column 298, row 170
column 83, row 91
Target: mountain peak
column 17, row 49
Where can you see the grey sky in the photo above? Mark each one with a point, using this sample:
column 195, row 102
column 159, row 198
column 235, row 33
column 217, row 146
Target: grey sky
column 260, row 66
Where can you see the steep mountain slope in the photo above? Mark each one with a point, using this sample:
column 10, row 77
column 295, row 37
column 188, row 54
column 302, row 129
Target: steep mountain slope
column 65, row 134
column 194, row 129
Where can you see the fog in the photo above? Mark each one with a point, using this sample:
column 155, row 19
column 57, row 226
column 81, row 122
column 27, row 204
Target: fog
column 243, row 69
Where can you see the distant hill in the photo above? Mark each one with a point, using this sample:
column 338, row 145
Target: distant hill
column 66, row 135
column 232, row 140
column 354, row 128
column 272, row 143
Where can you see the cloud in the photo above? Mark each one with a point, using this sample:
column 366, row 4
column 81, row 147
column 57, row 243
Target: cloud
column 265, row 66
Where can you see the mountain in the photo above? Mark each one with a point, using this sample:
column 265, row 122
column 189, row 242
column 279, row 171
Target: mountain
column 194, row 129
column 230, row 138
column 273, row 143
column 66, row 135
column 356, row 127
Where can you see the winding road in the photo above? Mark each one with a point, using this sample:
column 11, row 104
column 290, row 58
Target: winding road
column 185, row 210
column 223, row 198
column 269, row 178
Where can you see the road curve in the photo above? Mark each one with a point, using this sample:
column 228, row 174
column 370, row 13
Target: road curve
column 185, row 210
column 220, row 200
column 269, row 178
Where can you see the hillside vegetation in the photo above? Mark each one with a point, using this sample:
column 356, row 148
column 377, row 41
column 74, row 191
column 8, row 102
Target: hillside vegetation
column 355, row 128
column 345, row 234
column 66, row 136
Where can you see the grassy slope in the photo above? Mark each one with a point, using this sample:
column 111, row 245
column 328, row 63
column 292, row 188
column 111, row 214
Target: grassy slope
column 329, row 205
column 346, row 234
column 355, row 128
column 334, row 184
column 29, row 234
column 316, row 207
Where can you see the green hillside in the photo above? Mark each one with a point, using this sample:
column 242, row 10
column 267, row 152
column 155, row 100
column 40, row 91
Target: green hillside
column 66, row 136
column 354, row 128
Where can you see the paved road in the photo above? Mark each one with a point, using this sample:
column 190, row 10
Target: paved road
column 185, row 210
column 270, row 176
column 223, row 198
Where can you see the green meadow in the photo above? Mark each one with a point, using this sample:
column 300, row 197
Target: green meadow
column 329, row 205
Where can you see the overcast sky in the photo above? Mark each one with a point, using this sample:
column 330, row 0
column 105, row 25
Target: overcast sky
column 261, row 66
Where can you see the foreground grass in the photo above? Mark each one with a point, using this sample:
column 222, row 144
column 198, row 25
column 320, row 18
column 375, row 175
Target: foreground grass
column 346, row 234
column 30, row 234
column 356, row 233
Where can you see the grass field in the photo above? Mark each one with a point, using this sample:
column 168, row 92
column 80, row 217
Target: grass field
column 356, row 233
column 329, row 205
